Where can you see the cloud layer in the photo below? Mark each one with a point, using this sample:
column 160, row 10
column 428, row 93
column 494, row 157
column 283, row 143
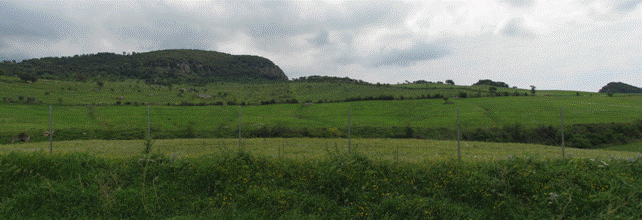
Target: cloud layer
column 571, row 45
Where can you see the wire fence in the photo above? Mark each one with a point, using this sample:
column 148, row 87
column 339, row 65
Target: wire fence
column 59, row 123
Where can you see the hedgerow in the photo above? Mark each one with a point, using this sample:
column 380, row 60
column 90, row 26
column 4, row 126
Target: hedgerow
column 239, row 185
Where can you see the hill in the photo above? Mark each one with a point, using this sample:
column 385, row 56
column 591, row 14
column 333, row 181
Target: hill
column 155, row 67
column 619, row 87
column 310, row 89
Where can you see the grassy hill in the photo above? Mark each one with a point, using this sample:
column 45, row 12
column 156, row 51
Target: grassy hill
column 115, row 110
column 619, row 87
column 156, row 67
column 56, row 92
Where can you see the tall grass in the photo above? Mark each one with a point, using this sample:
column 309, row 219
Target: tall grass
column 238, row 185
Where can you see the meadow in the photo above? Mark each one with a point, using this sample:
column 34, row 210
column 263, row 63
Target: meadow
column 474, row 113
column 408, row 150
column 53, row 92
column 590, row 121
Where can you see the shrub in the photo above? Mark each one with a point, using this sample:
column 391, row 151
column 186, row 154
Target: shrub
column 27, row 78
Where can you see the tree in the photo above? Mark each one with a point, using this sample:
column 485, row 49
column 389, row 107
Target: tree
column 489, row 82
column 533, row 89
column 1, row 72
column 450, row 82
column 100, row 84
column 492, row 89
column 26, row 77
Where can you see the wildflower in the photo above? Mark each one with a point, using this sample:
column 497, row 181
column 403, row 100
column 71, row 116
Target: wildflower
column 553, row 196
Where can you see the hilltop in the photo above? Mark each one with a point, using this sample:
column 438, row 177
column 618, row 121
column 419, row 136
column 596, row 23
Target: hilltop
column 156, row 67
column 619, row 87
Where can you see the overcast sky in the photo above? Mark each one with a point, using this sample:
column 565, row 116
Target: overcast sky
column 558, row 44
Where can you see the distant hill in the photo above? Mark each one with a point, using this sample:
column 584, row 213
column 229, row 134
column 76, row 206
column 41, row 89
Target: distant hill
column 328, row 79
column 619, row 87
column 489, row 82
column 157, row 67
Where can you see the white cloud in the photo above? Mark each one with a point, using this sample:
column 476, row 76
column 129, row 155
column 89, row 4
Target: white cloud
column 577, row 45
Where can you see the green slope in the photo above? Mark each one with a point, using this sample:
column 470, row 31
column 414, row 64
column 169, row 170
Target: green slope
column 155, row 67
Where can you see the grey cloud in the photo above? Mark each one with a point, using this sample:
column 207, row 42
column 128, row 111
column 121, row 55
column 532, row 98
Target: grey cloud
column 269, row 29
column 344, row 60
column 406, row 57
column 626, row 6
column 33, row 25
column 321, row 38
column 516, row 28
column 270, row 19
column 361, row 14
column 520, row 3
column 26, row 30
column 167, row 34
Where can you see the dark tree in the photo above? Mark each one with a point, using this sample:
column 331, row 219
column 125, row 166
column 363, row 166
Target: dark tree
column 450, row 82
column 420, row 82
column 533, row 89
column 492, row 89
column 26, row 77
column 619, row 87
column 489, row 82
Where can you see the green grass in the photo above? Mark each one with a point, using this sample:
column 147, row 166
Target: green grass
column 131, row 91
column 240, row 185
column 86, row 93
column 475, row 113
column 631, row 147
column 410, row 150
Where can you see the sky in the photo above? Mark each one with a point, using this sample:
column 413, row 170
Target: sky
column 554, row 45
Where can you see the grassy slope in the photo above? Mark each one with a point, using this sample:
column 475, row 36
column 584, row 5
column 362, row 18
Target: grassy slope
column 78, row 93
column 410, row 150
column 475, row 113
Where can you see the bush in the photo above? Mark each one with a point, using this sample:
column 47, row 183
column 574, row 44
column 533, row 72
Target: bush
column 27, row 78
column 240, row 185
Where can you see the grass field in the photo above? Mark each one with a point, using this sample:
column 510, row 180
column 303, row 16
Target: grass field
column 409, row 150
column 475, row 113
column 131, row 91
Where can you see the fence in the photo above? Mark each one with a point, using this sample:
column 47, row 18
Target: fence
column 298, row 120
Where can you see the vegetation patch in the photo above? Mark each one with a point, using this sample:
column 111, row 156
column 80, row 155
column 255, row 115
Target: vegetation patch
column 240, row 185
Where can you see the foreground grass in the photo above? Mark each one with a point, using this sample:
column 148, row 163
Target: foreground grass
column 409, row 150
column 240, row 185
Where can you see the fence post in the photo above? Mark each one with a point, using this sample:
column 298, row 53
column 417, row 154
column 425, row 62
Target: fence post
column 458, row 137
column 149, row 136
column 239, row 127
column 349, row 143
column 562, row 120
column 50, row 130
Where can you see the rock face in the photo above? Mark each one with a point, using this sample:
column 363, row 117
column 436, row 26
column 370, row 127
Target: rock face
column 619, row 87
column 156, row 67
